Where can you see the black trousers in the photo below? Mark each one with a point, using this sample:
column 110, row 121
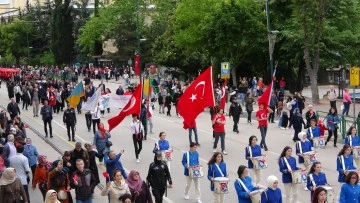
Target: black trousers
column 45, row 127
column 333, row 104
column 72, row 126
column 88, row 120
column 168, row 110
column 272, row 115
column 26, row 188
column 249, row 116
column 158, row 193
column 144, row 123
column 137, row 146
column 331, row 133
column 236, row 122
column 95, row 123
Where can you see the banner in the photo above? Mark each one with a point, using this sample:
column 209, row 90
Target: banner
column 119, row 101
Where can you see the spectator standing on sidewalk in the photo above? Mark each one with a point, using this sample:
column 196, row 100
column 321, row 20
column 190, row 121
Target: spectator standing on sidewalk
column 21, row 164
column 13, row 109
column 31, row 153
column 332, row 97
column 346, row 102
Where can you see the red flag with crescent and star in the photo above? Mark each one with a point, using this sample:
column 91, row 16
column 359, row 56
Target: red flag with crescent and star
column 265, row 97
column 223, row 97
column 133, row 106
column 199, row 95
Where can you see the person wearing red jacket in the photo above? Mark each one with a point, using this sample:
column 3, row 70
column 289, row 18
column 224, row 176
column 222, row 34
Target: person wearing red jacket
column 52, row 99
column 322, row 127
column 218, row 122
column 192, row 127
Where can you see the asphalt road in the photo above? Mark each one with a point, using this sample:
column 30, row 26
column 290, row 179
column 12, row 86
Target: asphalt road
column 277, row 139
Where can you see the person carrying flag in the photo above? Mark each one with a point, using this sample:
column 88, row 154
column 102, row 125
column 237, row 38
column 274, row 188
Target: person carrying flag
column 262, row 118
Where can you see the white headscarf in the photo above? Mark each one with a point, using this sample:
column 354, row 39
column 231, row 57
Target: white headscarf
column 6, row 177
column 48, row 197
column 301, row 136
column 270, row 181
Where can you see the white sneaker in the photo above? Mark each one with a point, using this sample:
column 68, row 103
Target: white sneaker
column 199, row 201
column 214, row 150
column 282, row 128
column 137, row 160
column 187, row 197
column 224, row 152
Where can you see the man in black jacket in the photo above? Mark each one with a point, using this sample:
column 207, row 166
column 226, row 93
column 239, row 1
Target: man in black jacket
column 47, row 116
column 158, row 176
column 83, row 181
column 235, row 111
column 69, row 120
column 13, row 109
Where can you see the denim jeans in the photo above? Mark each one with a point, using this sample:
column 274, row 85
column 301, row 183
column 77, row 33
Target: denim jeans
column 84, row 201
column 242, row 98
column 346, row 108
column 263, row 130
column 196, row 135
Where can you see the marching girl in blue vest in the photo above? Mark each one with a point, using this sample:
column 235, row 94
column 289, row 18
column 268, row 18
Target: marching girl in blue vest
column 344, row 163
column 350, row 191
column 313, row 132
column 302, row 147
column 353, row 140
column 253, row 150
column 243, row 185
column 162, row 145
column 217, row 169
column 273, row 193
column 315, row 178
column 287, row 165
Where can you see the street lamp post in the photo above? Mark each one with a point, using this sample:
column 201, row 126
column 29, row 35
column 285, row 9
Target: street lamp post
column 272, row 37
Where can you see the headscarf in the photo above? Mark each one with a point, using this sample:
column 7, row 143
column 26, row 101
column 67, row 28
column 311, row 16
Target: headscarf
column 270, row 181
column 102, row 130
column 133, row 184
column 6, row 177
column 41, row 162
column 48, row 197
column 301, row 136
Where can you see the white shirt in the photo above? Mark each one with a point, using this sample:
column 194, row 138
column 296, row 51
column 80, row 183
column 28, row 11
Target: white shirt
column 12, row 150
column 21, row 164
column 135, row 126
column 96, row 113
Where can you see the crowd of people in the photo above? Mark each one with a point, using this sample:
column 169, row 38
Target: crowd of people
column 21, row 164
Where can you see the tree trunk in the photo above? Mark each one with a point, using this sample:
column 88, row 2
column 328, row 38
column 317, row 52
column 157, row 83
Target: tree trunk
column 233, row 74
column 314, row 87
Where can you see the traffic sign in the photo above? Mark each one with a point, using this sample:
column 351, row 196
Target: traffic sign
column 225, row 70
column 354, row 76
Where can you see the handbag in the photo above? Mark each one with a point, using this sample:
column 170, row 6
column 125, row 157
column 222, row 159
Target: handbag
column 62, row 195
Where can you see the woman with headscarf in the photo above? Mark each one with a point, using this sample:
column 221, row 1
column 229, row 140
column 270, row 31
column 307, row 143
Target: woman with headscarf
column 302, row 147
column 11, row 188
column 272, row 194
column 101, row 141
column 59, row 180
column 138, row 188
column 41, row 175
column 51, row 197
column 116, row 188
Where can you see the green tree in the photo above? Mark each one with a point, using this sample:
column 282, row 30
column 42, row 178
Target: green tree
column 62, row 40
column 12, row 39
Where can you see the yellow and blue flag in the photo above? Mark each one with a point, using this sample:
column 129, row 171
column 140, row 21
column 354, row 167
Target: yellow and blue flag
column 76, row 94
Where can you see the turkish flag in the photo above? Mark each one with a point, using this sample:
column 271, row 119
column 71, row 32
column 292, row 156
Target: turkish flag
column 223, row 98
column 265, row 97
column 199, row 95
column 133, row 106
column 137, row 64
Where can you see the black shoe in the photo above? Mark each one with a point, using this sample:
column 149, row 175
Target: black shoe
column 237, row 131
column 73, row 140
column 335, row 146
column 69, row 140
column 326, row 143
column 34, row 115
column 46, row 136
column 266, row 149
column 51, row 136
column 88, row 130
